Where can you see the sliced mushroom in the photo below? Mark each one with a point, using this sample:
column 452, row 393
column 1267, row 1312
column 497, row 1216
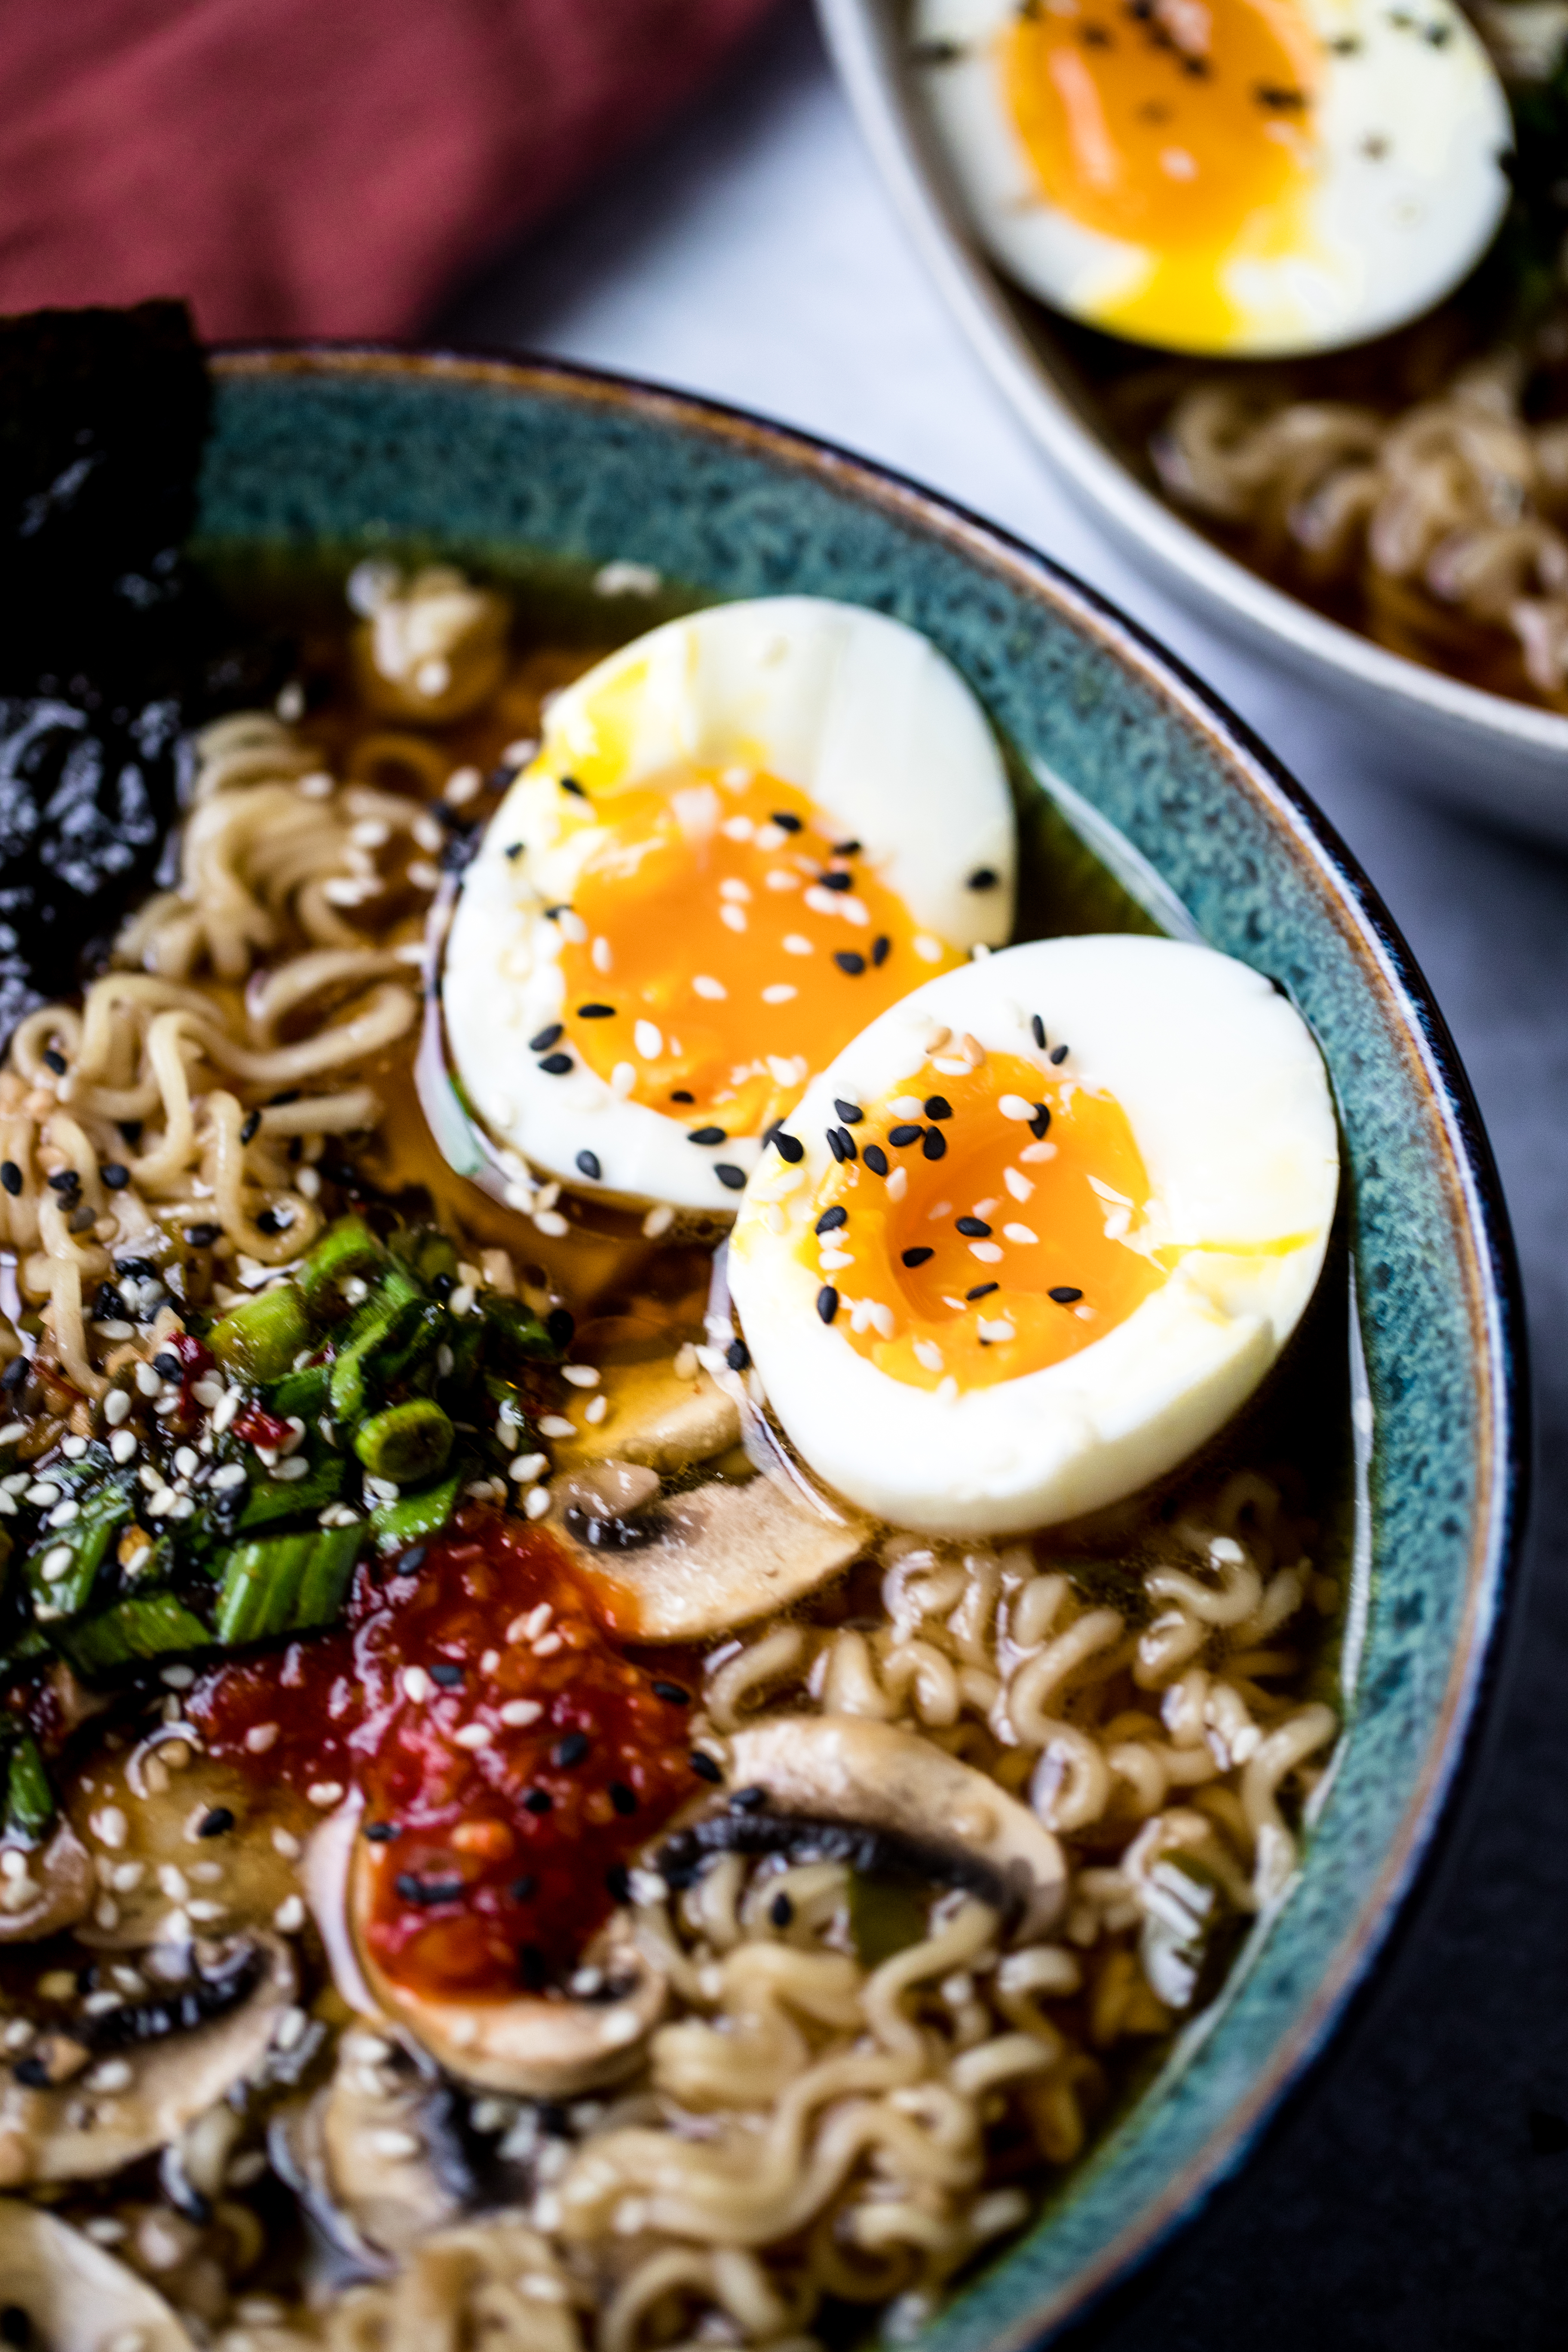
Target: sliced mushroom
column 375, row 2155
column 78, row 2298
column 79, row 2106
column 701, row 1562
column 660, row 1418
column 536, row 2045
column 45, row 1888
column 947, row 1819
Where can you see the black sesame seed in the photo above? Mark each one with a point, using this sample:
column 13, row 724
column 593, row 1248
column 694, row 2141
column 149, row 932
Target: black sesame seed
column 707, row 1135
column 705, row 1767
column 1065, row 1295
column 11, row 1177
column 917, row 1256
column 217, row 1824
column 202, row 1236
column 1040, row 1121
column 429, row 1890
column 589, row 1165
column 572, row 1751
column 447, row 1673
column 618, row 1881
column 595, row 1012
column 788, row 1147
column 623, row 1798
column 443, row 1285
column 876, row 1160
column 781, row 1911
column 570, row 784
column 935, row 1143
column 15, row 1375
column 738, row 1356
column 831, row 1219
column 850, row 1149
column 514, row 849
column 64, row 1180
column 673, row 1693
column 142, row 1268
column 32, row 2073
column 984, row 877
column 524, row 1889
column 116, row 1175
column 835, row 1143
column 1059, row 1054
column 268, row 1220
column 837, row 881
column 55, row 1061
column 1038, row 1031
column 827, row 1302
column 973, row 1229
column 938, row 1106
column 130, row 1128
column 733, row 1179
column 848, row 960
column 849, row 1112
column 561, row 1324
column 382, row 1833
column 553, row 914
column 413, row 1559
column 749, row 1800
column 109, row 1306
column 982, row 1290
column 880, row 948
column 248, row 1128
column 545, row 1039
column 785, row 823
column 532, row 1968
column 555, row 1065
column 168, row 1363
column 681, row 1093
column 900, row 1136
column 538, row 1801
column 846, row 849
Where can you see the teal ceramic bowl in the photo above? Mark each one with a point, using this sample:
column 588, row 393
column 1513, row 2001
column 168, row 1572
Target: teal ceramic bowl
column 1142, row 785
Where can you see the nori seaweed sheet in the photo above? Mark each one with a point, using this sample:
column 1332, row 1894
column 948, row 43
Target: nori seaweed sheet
column 110, row 644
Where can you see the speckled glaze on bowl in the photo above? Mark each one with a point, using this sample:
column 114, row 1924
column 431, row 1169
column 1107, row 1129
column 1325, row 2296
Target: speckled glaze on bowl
column 334, row 450
column 1427, row 732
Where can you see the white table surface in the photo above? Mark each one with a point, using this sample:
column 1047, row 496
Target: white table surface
column 750, row 254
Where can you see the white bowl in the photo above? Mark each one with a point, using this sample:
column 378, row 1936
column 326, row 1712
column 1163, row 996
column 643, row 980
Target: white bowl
column 1500, row 758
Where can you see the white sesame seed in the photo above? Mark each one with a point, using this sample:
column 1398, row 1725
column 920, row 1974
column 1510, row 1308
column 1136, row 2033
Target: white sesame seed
column 928, row 1353
column 595, row 1411
column 781, row 878
column 1020, row 1234
column 526, row 1467
column 581, row 1376
column 106, row 1911
column 260, row 1737
column 57, row 1563
column 187, row 1460
column 518, row 1713
column 40, row 1491
column 550, row 1222
column 462, row 1299
column 780, row 992
column 897, row 1183
column 232, row 1473
column 738, row 828
column 464, row 783
column 416, row 1684
column 289, row 1916
column 285, row 1842
column 73, row 1448
column 929, row 950
column 63, row 1513
column 127, row 1877
column 225, row 1410
column 104, row 2229
column 996, row 1331
column 555, row 1424
column 290, row 2028
column 394, row 2144
column 147, row 1380
column 177, row 1678
column 733, row 887
column 623, row 1079
column 1017, row 1184
column 205, row 1912
column 989, row 1252
column 472, row 1735
column 821, row 901
column 172, row 1882
column 291, row 1467
column 649, row 1041
column 1014, row 1106
column 325, row 1793
column 795, row 943
column 109, row 1826
column 657, row 1221
column 732, row 918
column 704, row 984
column 12, row 1431
column 536, row 1502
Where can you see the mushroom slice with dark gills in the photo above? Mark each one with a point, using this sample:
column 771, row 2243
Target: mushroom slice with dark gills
column 75, row 2296
column 882, row 1799
column 699, row 1562
column 97, row 2092
column 546, row 2045
column 44, row 1888
column 377, row 2155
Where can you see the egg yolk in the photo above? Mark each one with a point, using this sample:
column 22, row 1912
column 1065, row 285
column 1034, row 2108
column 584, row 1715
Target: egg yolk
column 982, row 1224
column 724, row 941
column 1180, row 126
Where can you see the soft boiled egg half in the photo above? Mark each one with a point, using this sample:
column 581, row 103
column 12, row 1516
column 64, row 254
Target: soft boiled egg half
column 744, row 836
column 1038, row 1232
column 1251, row 177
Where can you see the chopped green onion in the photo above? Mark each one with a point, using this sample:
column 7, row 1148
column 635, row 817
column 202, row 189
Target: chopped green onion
column 260, row 1338
column 345, row 1249
column 275, row 1498
column 302, row 1395
column 423, row 1513
column 426, row 1253
column 29, row 1800
column 520, row 1332
column 389, row 1317
column 149, row 1626
column 284, row 1584
column 405, row 1441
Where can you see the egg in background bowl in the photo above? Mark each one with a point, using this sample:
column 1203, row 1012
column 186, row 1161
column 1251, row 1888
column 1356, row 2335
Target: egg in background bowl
column 744, row 836
column 1248, row 177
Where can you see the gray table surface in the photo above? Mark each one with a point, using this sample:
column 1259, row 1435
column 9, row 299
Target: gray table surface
column 1416, row 2192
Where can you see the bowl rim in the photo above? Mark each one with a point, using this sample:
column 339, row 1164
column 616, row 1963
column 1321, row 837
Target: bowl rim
column 858, row 35
column 1495, row 1297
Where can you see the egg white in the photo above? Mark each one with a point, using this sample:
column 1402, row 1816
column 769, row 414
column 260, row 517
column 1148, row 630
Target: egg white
column 859, row 711
column 1411, row 126
column 1228, row 1099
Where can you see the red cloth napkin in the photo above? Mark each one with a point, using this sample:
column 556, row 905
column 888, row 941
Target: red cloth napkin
column 315, row 167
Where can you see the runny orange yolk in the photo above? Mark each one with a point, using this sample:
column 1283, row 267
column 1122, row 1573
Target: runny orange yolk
column 1015, row 1246
column 728, row 941
column 1180, row 126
